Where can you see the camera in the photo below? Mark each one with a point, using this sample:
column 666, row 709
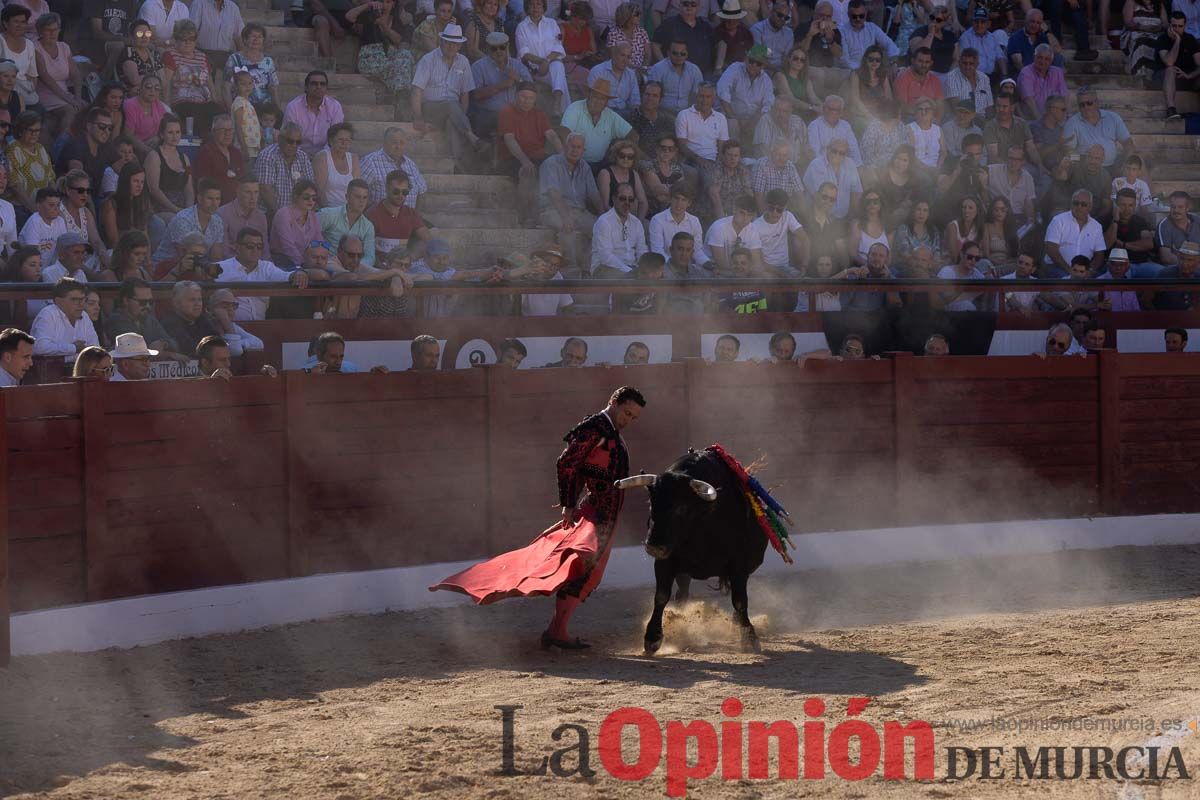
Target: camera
column 207, row 270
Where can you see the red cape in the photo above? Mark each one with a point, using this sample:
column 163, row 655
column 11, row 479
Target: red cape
column 557, row 556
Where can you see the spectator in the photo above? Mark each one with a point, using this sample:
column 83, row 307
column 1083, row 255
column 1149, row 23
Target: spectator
column 245, row 122
column 92, row 362
column 967, row 82
column 95, row 312
column 540, row 48
column 636, row 353
column 222, row 308
column 130, row 259
column 573, row 354
column 91, row 151
column 781, row 124
column 524, row 139
column 793, row 82
column 134, row 313
column 981, row 39
column 163, row 16
column 1129, row 231
column 188, row 261
column 878, row 268
column 425, row 37
column 25, row 266
column 675, row 219
column 736, row 232
column 823, row 130
column 620, row 170
column 1073, row 233
column 1145, row 21
column 1013, row 182
column 781, row 235
column 1039, row 81
column 1023, row 302
column 128, row 208
column 1048, row 141
column 966, row 227
column 280, row 165
column 777, row 172
column 649, row 121
column 1175, row 340
column 131, row 356
column 1089, row 173
column 1006, row 131
column 441, row 91
column 425, row 350
column 144, row 113
column 689, row 28
column 860, row 36
column 314, row 112
column 683, row 264
column 733, row 38
column 43, row 228
column 72, row 252
column 1061, row 342
column 937, row 344
column 900, row 184
column 351, row 219
column 918, row 81
column 218, row 25
column 578, row 42
column 649, row 269
column 394, row 221
column 965, row 269
column 10, row 101
column 22, row 52
column 868, row 228
column 218, row 160
column 242, row 211
column 935, row 37
column 168, row 169
column 618, row 237
column 201, row 218
column 1118, row 269
column 727, row 180
column 497, row 77
column 1178, row 60
column 915, row 232
column 1000, row 233
column 511, row 353
column 1179, row 226
column 328, row 355
column 55, row 70
column 544, row 265
column 188, row 77
column 123, row 153
column 746, row 92
column 214, row 358
column 1132, row 180
column 1092, row 125
column 1185, row 268
column 961, row 125
column 598, row 124
column 871, row 94
column 328, row 19
column 384, row 53
column 30, row 168
column 336, row 166
column 621, row 78
column 726, row 348
column 252, row 56
column 569, row 198
column 928, row 144
column 295, row 225
column 782, row 347
column 482, row 21
column 103, row 31
column 1024, row 40
column 16, row 356
column 61, row 328
column 701, row 130
column 834, row 167
column 248, row 265
column 884, row 138
column 662, row 175
column 826, row 232
column 628, row 29
column 377, row 164
column 678, row 78
column 823, row 43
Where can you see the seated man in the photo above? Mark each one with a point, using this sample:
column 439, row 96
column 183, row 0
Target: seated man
column 573, row 354
column 1185, row 268
column 784, row 243
column 524, row 139
column 1128, row 231
column 781, row 123
column 1179, row 226
column 1093, row 125
column 61, row 328
column 823, row 130
column 618, row 237
column 247, row 265
column 134, row 312
column 378, row 164
column 675, row 219
column 46, row 224
column 1179, row 56
column 967, row 82
column 327, row 355
column 596, row 122
column 435, row 267
column 746, row 92
column 678, row 76
column 16, row 356
column 132, row 358
column 621, row 77
column 314, row 112
column 777, row 172
column 91, row 151
column 426, row 351
column 222, row 307
column 682, row 265
column 569, row 199
column 441, row 91
column 1073, row 233
column 1039, row 81
column 498, row 77
column 1118, row 270
column 351, row 219
column 396, row 223
column 73, row 251
column 214, row 358
column 201, row 218
column 919, row 81
column 700, row 130
column 187, row 323
column 982, row 39
column 1013, row 182
column 243, row 211
column 736, row 231
column 834, row 167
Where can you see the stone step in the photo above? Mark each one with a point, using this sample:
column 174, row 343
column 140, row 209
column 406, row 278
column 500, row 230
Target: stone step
column 501, row 240
column 459, row 201
column 1148, row 99
column 1075, row 69
column 429, row 165
column 470, row 183
column 1107, row 57
column 343, row 81
column 266, row 18
column 255, row 5
column 288, row 50
column 1192, row 187
column 1153, row 142
column 360, row 96
column 304, row 63
column 1138, row 124
column 1168, row 171
column 280, row 33
column 1104, row 81
column 472, row 218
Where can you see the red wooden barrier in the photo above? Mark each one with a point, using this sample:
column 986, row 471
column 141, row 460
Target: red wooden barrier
column 4, row 601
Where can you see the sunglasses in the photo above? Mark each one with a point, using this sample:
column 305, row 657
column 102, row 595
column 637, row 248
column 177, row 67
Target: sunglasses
column 1057, row 345
column 103, row 127
column 680, row 53
column 971, row 256
column 290, row 141
column 400, row 192
column 145, row 303
column 143, row 34
column 858, row 16
column 80, row 189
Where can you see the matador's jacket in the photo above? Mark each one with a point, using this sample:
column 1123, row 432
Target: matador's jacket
column 566, row 560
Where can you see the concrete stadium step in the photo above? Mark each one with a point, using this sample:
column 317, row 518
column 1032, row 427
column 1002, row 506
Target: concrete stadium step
column 1104, row 81
column 256, row 5
column 1114, row 68
column 429, row 165
column 266, row 18
column 1167, row 171
column 343, row 80
column 473, row 250
column 496, row 184
column 1138, row 123
column 1149, row 100
column 360, row 96
column 471, row 218
column 1160, row 142
column 462, row 201
column 1166, row 187
column 287, row 51
column 1107, row 57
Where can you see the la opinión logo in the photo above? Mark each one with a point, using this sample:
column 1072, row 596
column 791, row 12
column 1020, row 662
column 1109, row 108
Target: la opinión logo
column 734, row 748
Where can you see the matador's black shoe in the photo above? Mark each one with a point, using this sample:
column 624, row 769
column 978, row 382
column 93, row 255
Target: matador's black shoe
column 549, row 641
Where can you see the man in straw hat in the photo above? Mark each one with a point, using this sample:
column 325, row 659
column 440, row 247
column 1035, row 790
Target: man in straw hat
column 596, row 122
column 131, row 357
column 1186, row 269
column 441, row 93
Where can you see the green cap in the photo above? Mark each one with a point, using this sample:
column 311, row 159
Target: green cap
column 759, row 52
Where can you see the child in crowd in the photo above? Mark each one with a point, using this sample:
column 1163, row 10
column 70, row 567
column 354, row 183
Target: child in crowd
column 826, row 301
column 747, row 302
column 126, row 154
column 268, row 121
column 1132, row 179
column 246, row 125
column 1081, row 268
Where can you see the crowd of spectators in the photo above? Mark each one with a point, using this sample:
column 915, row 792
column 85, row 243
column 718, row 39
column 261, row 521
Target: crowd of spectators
column 690, row 140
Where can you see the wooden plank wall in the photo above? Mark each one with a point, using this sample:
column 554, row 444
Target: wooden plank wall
column 187, row 485
column 45, row 486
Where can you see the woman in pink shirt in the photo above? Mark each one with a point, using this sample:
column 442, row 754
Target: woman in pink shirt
column 144, row 111
column 295, row 226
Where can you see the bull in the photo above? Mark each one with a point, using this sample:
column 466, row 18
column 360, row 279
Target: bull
column 701, row 526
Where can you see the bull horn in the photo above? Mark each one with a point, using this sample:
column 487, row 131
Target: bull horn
column 635, row 481
column 704, row 491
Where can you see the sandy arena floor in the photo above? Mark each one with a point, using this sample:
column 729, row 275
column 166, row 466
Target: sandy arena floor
column 401, row 705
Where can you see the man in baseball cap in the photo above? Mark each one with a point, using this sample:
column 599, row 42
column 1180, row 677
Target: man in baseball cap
column 72, row 251
column 497, row 76
column 746, row 92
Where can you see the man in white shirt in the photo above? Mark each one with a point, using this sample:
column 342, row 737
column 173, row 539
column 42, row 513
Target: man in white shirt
column 247, row 266
column 441, row 91
column 1025, row 302
column 61, row 328
column 162, row 20
column 701, row 129
column 670, row 221
column 746, row 92
column 736, row 232
column 43, row 228
column 823, row 130
column 1074, row 233
column 544, row 265
column 540, row 48
column 16, row 356
column 618, row 237
column 860, row 34
column 779, row 231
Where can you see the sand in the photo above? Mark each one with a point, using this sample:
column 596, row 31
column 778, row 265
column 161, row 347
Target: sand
column 402, row 705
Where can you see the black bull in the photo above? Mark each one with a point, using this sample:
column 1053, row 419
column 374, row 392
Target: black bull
column 701, row 526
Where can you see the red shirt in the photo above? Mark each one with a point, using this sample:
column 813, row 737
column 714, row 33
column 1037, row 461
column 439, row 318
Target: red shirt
column 389, row 230
column 529, row 128
column 211, row 164
column 909, row 88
